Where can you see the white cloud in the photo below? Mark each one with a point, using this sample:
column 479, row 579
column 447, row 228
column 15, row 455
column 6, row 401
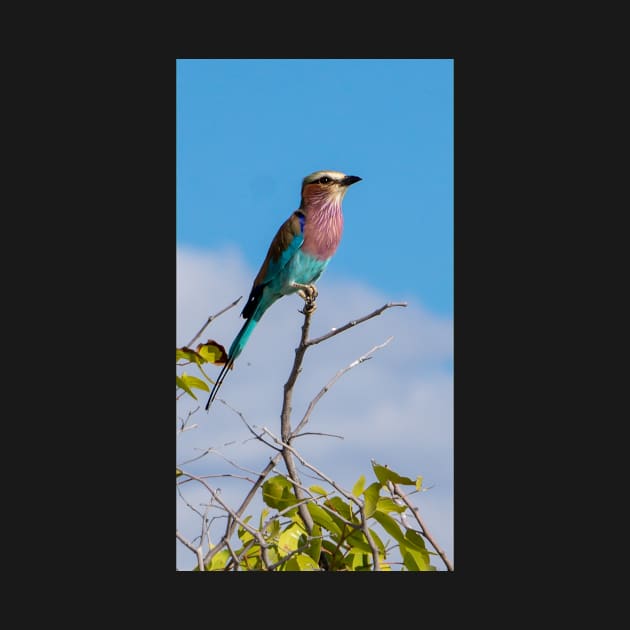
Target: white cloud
column 396, row 408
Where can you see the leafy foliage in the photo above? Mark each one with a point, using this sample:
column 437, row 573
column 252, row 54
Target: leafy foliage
column 338, row 541
column 209, row 352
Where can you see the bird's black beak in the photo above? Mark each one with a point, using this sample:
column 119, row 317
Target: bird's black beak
column 348, row 180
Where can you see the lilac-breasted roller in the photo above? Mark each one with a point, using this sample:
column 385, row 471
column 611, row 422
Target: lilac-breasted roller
column 297, row 256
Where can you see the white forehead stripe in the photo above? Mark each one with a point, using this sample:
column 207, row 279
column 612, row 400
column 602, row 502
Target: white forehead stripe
column 336, row 175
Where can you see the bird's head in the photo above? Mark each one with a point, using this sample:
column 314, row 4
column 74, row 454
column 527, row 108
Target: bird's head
column 324, row 187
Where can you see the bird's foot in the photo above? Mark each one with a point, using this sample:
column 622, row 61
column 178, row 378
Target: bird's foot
column 308, row 292
column 309, row 307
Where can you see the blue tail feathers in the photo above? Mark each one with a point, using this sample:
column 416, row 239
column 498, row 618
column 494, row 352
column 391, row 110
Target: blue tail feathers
column 235, row 349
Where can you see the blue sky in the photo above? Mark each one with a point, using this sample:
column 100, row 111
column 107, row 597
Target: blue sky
column 247, row 132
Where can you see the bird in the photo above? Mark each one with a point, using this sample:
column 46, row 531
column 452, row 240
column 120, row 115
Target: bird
column 298, row 255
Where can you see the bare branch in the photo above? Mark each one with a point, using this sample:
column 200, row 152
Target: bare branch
column 254, row 532
column 192, row 507
column 250, row 495
column 249, row 428
column 423, row 527
column 184, row 422
column 354, row 322
column 285, row 416
column 227, row 308
column 234, row 558
column 218, row 475
column 333, row 380
column 368, row 535
column 195, row 550
column 333, row 435
column 297, row 486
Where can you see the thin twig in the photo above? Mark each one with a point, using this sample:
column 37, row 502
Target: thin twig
column 254, row 532
column 232, row 463
column 243, row 553
column 423, row 527
column 227, row 308
column 192, row 507
column 205, row 534
column 229, row 530
column 183, row 426
column 234, row 558
column 354, row 322
column 333, row 380
column 333, row 435
column 195, row 550
column 249, row 428
column 216, row 476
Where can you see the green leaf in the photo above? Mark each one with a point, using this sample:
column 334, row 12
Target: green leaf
column 386, row 505
column 185, row 381
column 315, row 546
column 243, row 534
column 219, row 561
column 331, row 548
column 213, row 352
column 384, row 474
column 273, row 556
column 418, row 483
column 318, row 490
column 273, row 529
column 188, row 355
column 390, row 526
column 357, row 539
column 371, row 498
column 197, row 383
column 414, row 558
column 263, row 516
column 378, row 541
column 358, row 558
column 337, row 519
column 413, row 539
column 305, row 563
column 323, row 519
column 252, row 560
column 340, row 506
column 182, row 384
column 289, row 539
column 178, row 473
column 278, row 493
column 301, row 562
column 357, row 489
column 334, row 554
column 410, row 562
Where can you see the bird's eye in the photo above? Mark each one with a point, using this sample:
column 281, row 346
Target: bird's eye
column 325, row 180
